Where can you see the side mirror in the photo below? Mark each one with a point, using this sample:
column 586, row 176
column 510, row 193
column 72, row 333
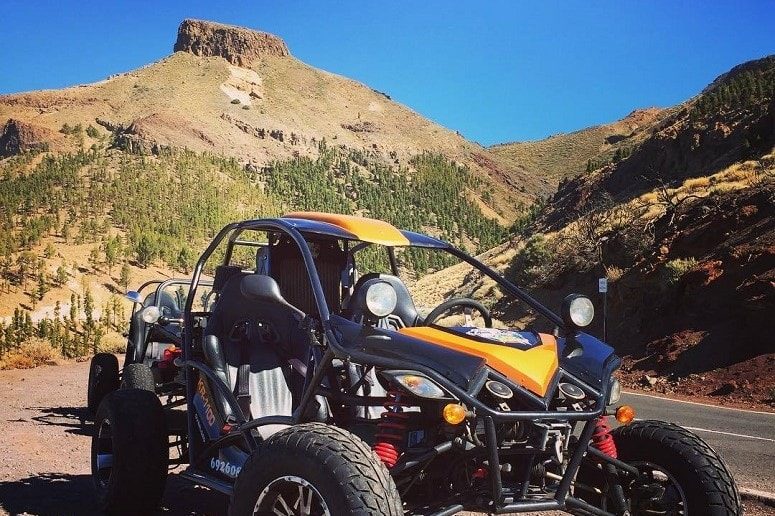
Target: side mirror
column 134, row 296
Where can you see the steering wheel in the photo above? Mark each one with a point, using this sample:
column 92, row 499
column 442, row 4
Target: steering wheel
column 448, row 305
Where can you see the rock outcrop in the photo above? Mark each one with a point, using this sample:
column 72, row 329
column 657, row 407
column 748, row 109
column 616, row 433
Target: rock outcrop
column 237, row 45
column 17, row 137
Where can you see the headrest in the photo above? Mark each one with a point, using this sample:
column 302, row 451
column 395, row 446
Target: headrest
column 222, row 275
column 259, row 287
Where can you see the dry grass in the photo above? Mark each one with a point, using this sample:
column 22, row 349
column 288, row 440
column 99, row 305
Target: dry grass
column 727, row 187
column 31, row 354
column 697, row 183
column 649, row 197
column 614, row 274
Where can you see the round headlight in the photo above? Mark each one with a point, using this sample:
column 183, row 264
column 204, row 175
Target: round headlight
column 578, row 310
column 150, row 314
column 615, row 392
column 381, row 299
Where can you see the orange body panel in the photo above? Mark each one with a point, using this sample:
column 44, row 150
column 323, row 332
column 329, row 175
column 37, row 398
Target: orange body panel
column 532, row 368
column 365, row 229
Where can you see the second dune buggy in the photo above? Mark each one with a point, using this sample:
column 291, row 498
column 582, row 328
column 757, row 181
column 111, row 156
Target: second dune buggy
column 154, row 340
column 321, row 382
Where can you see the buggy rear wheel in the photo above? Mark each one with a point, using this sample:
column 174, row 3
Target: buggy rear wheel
column 314, row 470
column 103, row 378
column 130, row 452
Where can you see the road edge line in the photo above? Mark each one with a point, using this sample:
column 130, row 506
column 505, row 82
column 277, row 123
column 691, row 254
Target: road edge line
column 709, row 405
column 759, row 496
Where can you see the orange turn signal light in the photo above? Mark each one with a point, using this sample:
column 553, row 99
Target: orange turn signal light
column 625, row 414
column 454, row 414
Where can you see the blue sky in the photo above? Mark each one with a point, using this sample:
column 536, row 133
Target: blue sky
column 496, row 71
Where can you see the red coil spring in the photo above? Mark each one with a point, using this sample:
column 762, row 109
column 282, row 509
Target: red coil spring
column 391, row 430
column 602, row 438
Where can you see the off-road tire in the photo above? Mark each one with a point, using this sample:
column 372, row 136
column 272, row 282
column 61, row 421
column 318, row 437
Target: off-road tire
column 343, row 469
column 103, row 378
column 138, row 436
column 704, row 477
column 138, row 376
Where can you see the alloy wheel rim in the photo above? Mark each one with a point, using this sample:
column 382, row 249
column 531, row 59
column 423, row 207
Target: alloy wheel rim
column 290, row 496
column 674, row 497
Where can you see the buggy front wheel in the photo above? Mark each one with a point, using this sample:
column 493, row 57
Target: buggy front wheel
column 680, row 473
column 315, row 470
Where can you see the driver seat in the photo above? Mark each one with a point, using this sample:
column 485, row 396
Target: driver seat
column 250, row 340
column 404, row 314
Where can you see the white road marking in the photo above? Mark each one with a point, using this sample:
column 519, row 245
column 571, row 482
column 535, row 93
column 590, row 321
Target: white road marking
column 698, row 404
column 730, row 433
column 695, row 429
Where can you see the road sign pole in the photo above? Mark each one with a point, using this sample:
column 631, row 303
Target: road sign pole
column 602, row 287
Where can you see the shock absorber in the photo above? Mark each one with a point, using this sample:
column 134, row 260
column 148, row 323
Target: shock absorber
column 391, row 430
column 602, row 438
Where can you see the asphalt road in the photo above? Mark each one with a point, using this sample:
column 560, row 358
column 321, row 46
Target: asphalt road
column 745, row 439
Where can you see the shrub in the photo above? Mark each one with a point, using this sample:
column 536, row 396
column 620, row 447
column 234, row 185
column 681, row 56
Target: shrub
column 535, row 253
column 675, row 269
column 531, row 263
column 112, row 343
column 235, row 101
column 33, row 353
column 245, row 107
column 614, row 273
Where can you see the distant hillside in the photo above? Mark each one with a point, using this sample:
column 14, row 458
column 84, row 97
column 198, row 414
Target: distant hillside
column 239, row 93
column 732, row 120
column 683, row 227
column 566, row 155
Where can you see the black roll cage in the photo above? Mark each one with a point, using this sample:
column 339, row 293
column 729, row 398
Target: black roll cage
column 323, row 355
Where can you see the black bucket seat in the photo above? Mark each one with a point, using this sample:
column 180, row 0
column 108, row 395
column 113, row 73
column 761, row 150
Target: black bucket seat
column 251, row 339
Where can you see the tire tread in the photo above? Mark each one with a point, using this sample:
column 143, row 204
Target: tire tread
column 354, row 465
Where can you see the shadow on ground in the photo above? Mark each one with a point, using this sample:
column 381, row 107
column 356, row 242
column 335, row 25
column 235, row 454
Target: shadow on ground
column 74, row 419
column 57, row 494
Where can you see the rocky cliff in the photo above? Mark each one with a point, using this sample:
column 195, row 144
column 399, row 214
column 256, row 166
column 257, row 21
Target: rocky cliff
column 17, row 136
column 237, row 45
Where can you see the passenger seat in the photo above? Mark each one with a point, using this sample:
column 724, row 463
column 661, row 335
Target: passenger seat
column 251, row 336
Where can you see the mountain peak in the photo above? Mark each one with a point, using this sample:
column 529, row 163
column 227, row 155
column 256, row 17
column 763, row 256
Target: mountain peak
column 237, row 45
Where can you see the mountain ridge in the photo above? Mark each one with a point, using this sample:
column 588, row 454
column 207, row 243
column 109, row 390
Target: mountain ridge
column 273, row 107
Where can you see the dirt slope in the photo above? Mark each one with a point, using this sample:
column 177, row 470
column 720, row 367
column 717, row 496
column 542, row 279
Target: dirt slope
column 568, row 154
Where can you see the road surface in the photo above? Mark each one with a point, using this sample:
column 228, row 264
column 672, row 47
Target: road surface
column 745, row 439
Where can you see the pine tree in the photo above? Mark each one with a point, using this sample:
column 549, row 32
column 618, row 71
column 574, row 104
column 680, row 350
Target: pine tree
column 125, row 276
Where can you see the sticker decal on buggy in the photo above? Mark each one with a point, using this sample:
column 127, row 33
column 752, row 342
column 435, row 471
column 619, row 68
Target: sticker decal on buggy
column 225, row 467
column 205, row 409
